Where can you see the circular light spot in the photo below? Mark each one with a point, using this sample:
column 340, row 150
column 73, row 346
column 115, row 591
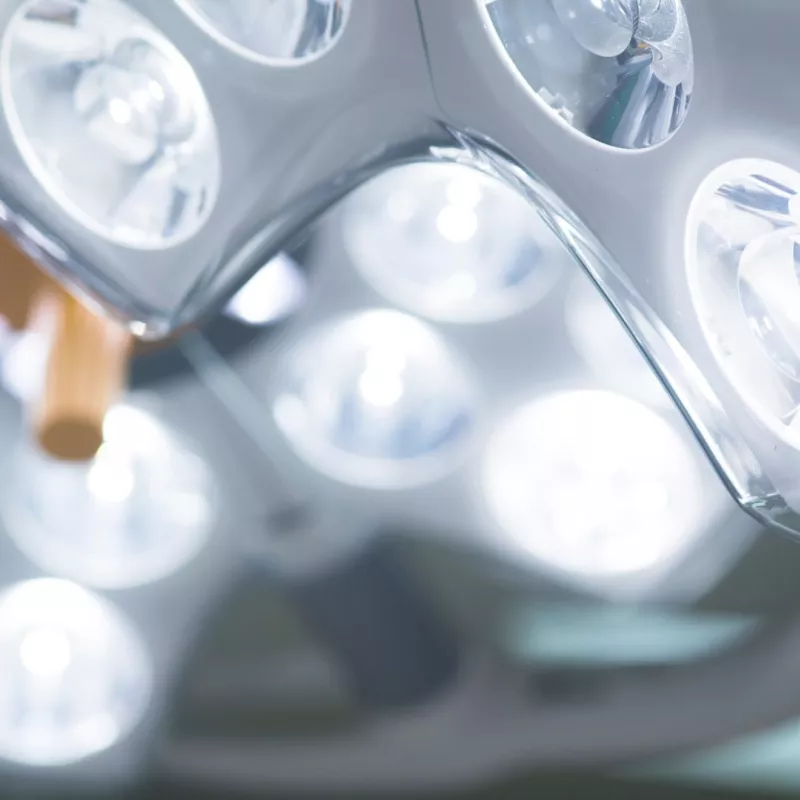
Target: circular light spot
column 618, row 71
column 111, row 120
column 74, row 676
column 451, row 243
column 276, row 33
column 376, row 399
column 138, row 511
column 593, row 484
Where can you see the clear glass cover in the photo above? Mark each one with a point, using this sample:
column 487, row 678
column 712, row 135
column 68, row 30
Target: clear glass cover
column 594, row 484
column 74, row 676
column 375, row 399
column 272, row 32
column 451, row 243
column 111, row 120
column 136, row 513
column 619, row 71
column 605, row 346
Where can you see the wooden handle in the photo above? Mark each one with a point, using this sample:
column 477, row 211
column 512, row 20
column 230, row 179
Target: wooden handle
column 86, row 374
column 20, row 283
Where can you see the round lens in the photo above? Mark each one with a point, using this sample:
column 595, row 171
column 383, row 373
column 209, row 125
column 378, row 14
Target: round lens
column 451, row 243
column 376, row 399
column 136, row 513
column 111, row 120
column 593, row 484
column 619, row 71
column 74, row 676
column 743, row 269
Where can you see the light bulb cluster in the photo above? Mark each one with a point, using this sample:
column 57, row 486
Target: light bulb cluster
column 591, row 482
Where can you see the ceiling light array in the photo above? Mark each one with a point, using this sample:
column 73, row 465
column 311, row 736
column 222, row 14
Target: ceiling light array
column 114, row 125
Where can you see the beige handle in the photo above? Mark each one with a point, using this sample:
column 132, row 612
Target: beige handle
column 86, row 374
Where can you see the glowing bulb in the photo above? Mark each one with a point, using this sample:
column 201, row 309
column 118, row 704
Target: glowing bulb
column 139, row 511
column 594, row 485
column 111, row 120
column 376, row 399
column 272, row 32
column 74, row 676
column 451, row 243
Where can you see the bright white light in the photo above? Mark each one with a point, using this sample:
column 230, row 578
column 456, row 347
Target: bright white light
column 594, row 485
column 451, row 242
column 139, row 511
column 278, row 33
column 74, row 676
column 111, row 478
column 111, row 120
column 46, row 653
column 376, row 399
column 274, row 292
column 457, row 224
column 743, row 272
column 605, row 346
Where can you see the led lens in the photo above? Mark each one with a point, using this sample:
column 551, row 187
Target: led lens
column 376, row 399
column 111, row 120
column 74, row 676
column 451, row 242
column 139, row 511
column 594, row 485
column 619, row 71
column 273, row 32
column 743, row 268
